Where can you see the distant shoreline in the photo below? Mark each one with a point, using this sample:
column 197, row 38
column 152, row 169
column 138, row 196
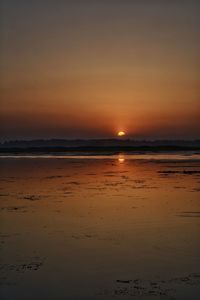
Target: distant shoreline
column 98, row 150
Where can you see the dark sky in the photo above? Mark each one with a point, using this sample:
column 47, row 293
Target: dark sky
column 79, row 69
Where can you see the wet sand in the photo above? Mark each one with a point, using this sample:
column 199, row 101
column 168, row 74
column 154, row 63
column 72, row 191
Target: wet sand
column 99, row 228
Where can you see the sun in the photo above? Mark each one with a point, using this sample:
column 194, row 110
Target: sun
column 121, row 133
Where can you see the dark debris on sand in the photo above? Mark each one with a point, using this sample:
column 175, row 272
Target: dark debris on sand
column 189, row 214
column 14, row 208
column 186, row 172
column 156, row 288
column 31, row 197
column 33, row 265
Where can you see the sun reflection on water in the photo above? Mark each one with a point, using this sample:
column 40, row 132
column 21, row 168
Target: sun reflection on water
column 121, row 159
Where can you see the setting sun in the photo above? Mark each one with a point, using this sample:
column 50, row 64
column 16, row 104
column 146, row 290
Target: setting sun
column 121, row 133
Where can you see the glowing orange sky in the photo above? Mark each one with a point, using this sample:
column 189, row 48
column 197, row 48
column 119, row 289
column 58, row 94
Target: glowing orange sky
column 90, row 69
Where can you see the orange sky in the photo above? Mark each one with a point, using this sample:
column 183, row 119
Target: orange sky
column 79, row 69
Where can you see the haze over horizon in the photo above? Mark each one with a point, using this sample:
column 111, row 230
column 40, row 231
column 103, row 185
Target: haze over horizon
column 88, row 69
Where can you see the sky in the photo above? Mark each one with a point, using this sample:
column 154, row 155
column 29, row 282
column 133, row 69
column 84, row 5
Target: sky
column 90, row 68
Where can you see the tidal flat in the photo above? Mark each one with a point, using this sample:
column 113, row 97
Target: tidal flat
column 91, row 228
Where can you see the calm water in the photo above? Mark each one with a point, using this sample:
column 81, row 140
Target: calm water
column 100, row 228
